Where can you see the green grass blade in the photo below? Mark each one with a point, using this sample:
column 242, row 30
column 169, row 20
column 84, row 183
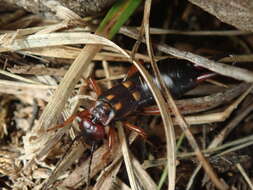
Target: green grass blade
column 116, row 17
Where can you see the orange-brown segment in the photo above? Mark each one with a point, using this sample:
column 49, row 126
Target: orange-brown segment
column 136, row 95
column 128, row 84
column 117, row 106
column 110, row 97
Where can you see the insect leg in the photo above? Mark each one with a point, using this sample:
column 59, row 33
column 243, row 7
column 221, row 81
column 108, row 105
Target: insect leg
column 93, row 147
column 151, row 111
column 67, row 122
column 112, row 135
column 135, row 128
column 95, row 86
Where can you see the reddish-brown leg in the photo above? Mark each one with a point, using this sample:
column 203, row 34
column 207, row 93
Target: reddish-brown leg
column 112, row 135
column 93, row 84
column 151, row 111
column 67, row 122
column 135, row 128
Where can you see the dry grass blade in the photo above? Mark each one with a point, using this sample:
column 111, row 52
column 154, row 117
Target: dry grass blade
column 236, row 144
column 160, row 31
column 52, row 39
column 72, row 52
column 19, row 77
column 169, row 131
column 108, row 178
column 238, row 58
column 245, row 176
column 27, row 85
column 144, row 177
column 191, row 180
column 127, row 158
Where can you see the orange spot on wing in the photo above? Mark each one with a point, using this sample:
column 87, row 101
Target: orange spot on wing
column 109, row 97
column 117, row 106
column 136, row 95
column 128, row 84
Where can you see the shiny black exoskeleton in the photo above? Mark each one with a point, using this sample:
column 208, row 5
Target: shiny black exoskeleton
column 134, row 93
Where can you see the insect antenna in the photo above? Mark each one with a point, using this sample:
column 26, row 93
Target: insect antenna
column 93, row 147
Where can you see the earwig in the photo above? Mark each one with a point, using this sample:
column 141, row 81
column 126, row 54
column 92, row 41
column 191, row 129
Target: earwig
column 130, row 95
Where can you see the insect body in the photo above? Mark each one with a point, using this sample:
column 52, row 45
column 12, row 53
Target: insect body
column 132, row 94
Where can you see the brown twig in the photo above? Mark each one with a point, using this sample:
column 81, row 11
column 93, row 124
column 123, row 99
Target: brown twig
column 195, row 105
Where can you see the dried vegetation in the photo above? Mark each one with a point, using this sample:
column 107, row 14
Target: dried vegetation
column 44, row 63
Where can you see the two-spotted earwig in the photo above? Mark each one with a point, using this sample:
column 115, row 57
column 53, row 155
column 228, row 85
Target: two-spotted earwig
column 130, row 95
